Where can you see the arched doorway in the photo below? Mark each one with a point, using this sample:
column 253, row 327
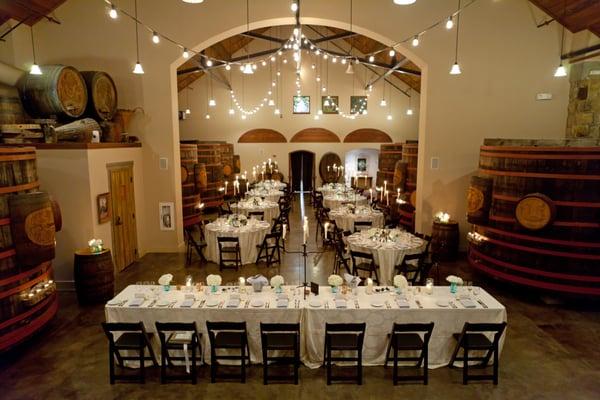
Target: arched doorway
column 302, row 170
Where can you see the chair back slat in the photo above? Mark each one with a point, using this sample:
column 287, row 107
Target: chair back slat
column 346, row 327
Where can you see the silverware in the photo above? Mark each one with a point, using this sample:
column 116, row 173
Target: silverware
column 419, row 303
column 201, row 303
column 482, row 303
column 152, row 303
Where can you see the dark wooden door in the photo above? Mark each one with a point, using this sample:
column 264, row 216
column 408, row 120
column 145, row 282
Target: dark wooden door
column 302, row 170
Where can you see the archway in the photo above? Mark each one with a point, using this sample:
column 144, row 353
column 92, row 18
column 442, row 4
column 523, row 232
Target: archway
column 302, row 170
column 362, row 163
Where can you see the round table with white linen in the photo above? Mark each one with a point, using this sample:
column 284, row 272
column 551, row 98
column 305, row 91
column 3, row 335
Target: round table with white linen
column 270, row 208
column 335, row 201
column 388, row 246
column 250, row 235
column 267, row 194
column 345, row 217
column 332, row 188
column 270, row 184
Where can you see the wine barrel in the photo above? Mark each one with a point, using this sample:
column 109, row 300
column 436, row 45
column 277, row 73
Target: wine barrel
column 77, row 131
column 56, row 214
column 11, row 109
column 544, row 221
column 444, row 240
column 237, row 164
column 102, row 95
column 410, row 153
column 226, row 150
column 400, row 175
column 328, row 160
column 32, row 228
column 406, row 213
column 59, row 91
column 389, row 154
column 201, row 176
column 191, row 210
column 479, row 199
column 94, row 276
column 209, row 174
column 189, row 162
column 382, row 177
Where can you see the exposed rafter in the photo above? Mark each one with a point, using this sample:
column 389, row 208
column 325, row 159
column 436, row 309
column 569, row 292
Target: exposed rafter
column 255, row 35
column 342, row 35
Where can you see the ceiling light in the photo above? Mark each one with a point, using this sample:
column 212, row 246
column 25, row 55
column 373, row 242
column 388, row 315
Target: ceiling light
column 212, row 103
column 318, row 51
column 272, row 58
column 449, row 23
column 561, row 71
column 323, row 89
column 404, row 2
column 113, row 12
column 277, row 112
column 227, row 67
column 188, row 111
column 193, row 1
column 207, row 116
column 263, row 63
column 254, row 67
column 285, row 60
column 231, row 111
column 136, row 70
column 186, row 53
column 243, row 116
column 209, row 63
column 155, row 38
column 415, row 41
column 389, row 117
column 294, row 6
column 318, row 79
column 409, row 111
column 350, row 69
column 271, row 102
column 383, row 103
column 392, row 53
column 343, row 61
column 247, row 69
column 371, row 58
column 313, row 66
column 325, row 56
column 35, row 70
column 334, row 60
column 455, row 70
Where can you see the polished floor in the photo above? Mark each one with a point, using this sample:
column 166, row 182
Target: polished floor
column 552, row 349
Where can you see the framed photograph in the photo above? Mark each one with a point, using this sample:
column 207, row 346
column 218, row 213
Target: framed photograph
column 167, row 216
column 361, row 165
column 301, row 105
column 358, row 104
column 329, row 104
column 104, row 211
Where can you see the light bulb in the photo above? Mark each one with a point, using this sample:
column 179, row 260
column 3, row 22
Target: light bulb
column 317, row 52
column 271, row 103
column 561, row 71
column 113, row 12
column 243, row 116
column 296, row 31
column 188, row 111
column 277, row 112
column 212, row 103
column 186, row 53
column 247, row 69
column 323, row 89
column 272, row 58
column 263, row 63
column 316, row 117
column 138, row 68
column 343, row 61
column 334, row 60
column 254, row 67
column 371, row 58
column 227, row 67
column 313, row 66
column 449, row 23
column 155, row 38
column 392, row 53
column 207, row 116
column 294, row 6
column 209, row 63
column 383, row 103
column 415, row 41
column 320, row 112
column 231, row 111
column 404, row 2
column 389, row 117
column 326, row 103
column 409, row 111
column 285, row 60
column 455, row 70
column 35, row 70
column 318, row 79
column 325, row 56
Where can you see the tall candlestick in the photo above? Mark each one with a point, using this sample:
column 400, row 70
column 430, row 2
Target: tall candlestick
column 369, row 286
column 246, row 186
column 325, row 228
column 305, row 228
column 226, row 183
column 387, row 197
column 284, row 231
column 371, row 193
column 384, row 186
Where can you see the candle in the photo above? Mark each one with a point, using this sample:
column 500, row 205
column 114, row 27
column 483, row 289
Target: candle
column 398, row 193
column 326, row 227
column 189, row 282
column 328, row 168
column 226, row 183
column 284, row 231
column 305, row 229
column 429, row 286
column 369, row 286
column 246, row 186
column 384, row 187
column 263, row 174
column 365, row 175
column 387, row 197
column 242, row 281
column 371, row 193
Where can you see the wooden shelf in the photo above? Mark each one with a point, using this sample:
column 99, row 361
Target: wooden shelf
column 73, row 146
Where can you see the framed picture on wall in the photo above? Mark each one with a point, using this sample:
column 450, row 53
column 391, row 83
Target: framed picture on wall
column 361, row 165
column 167, row 216
column 301, row 105
column 358, row 104
column 103, row 205
column 329, row 104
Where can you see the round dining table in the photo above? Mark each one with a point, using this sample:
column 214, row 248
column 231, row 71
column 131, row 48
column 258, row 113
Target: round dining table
column 346, row 216
column 249, row 235
column 332, row 188
column 388, row 246
column 270, row 208
column 270, row 184
column 337, row 200
column 267, row 194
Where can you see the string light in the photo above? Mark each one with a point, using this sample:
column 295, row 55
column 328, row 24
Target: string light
column 294, row 6
column 186, row 53
column 415, row 41
column 209, row 63
column 113, row 12
column 155, row 38
column 392, row 53
column 449, row 23
column 371, row 58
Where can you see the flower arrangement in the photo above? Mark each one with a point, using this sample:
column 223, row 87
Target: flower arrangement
column 237, row 220
column 213, row 280
column 400, row 281
column 335, row 280
column 454, row 279
column 277, row 281
column 96, row 245
column 381, row 235
column 165, row 279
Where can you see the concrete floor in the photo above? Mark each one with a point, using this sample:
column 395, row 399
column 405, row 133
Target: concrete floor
column 552, row 350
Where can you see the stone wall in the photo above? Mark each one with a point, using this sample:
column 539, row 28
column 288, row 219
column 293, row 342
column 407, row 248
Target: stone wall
column 583, row 119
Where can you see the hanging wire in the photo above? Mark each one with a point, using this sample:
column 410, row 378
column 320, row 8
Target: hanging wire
column 137, row 44
column 457, row 30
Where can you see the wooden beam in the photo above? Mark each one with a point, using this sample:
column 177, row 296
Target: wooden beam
column 342, row 35
column 255, row 35
column 387, row 73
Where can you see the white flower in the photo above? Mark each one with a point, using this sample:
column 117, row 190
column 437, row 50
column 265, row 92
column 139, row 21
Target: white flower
column 335, row 280
column 400, row 281
column 454, row 279
column 277, row 281
column 165, row 279
column 213, row 280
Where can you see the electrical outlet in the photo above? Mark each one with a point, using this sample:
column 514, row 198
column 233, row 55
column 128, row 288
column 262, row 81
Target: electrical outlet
column 435, row 162
column 163, row 163
column 544, row 96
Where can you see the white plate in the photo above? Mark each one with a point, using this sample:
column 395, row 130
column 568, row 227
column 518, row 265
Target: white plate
column 315, row 303
column 377, row 303
column 162, row 303
column 442, row 303
column 212, row 302
column 257, row 303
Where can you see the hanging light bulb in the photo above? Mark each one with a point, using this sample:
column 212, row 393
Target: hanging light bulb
column 343, row 61
column 247, row 69
column 113, row 12
column 371, row 58
column 392, row 53
column 561, row 71
column 449, row 23
column 389, row 117
column 271, row 103
column 273, row 59
column 325, row 56
column 334, row 60
column 415, row 41
column 254, row 67
column 317, row 117
column 243, row 116
column 227, row 67
column 350, row 69
column 263, row 63
column 285, row 60
column 326, row 102
column 155, row 38
column 294, row 6
column 383, row 103
column 318, row 78
column 212, row 103
column 313, row 66
column 188, row 111
column 318, row 51
column 138, row 69
column 35, row 69
column 231, row 111
column 455, row 70
column 323, row 89
column 320, row 112
column 209, row 63
column 277, row 112
column 409, row 111
column 186, row 53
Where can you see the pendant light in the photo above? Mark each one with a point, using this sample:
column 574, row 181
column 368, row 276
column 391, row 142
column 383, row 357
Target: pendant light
column 404, row 2
column 187, row 101
column 35, row 69
column 409, row 110
column 350, row 68
column 561, row 71
column 138, row 67
column 455, row 70
column 113, row 12
column 155, row 38
column 211, row 102
column 449, row 23
column 247, row 68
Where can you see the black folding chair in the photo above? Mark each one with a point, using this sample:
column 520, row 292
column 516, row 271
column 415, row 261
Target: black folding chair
column 358, row 264
column 194, row 244
column 360, row 225
column 133, row 337
column 280, row 338
column 270, row 249
column 341, row 259
column 413, row 265
column 228, row 336
column 229, row 253
column 344, row 338
column 407, row 337
column 179, row 336
column 475, row 337
column 257, row 214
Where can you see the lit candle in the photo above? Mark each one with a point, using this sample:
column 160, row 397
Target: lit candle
column 384, row 186
column 242, row 281
column 305, row 228
column 226, row 183
column 328, row 168
column 369, row 286
column 429, row 286
column 365, row 175
column 326, row 227
column 284, row 231
column 398, row 193
column 246, row 186
column 371, row 193
column 387, row 197
column 189, row 281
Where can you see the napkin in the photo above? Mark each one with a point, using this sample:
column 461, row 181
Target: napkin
column 402, row 303
column 139, row 295
column 340, row 303
column 467, row 303
column 136, row 302
column 281, row 296
column 233, row 303
column 351, row 280
column 282, row 303
column 187, row 303
column 258, row 278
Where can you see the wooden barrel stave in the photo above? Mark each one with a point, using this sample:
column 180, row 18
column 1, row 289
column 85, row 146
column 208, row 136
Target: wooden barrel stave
column 102, row 95
column 94, row 276
column 444, row 241
column 479, row 199
column 389, row 154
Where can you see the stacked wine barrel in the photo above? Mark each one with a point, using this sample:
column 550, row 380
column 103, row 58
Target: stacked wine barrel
column 209, row 176
column 389, row 154
column 536, row 209
column 190, row 192
column 226, row 150
column 27, row 225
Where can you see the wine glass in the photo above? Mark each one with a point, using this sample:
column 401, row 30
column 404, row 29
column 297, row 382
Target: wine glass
column 476, row 290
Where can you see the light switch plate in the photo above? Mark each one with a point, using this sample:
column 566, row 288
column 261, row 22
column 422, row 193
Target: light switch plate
column 163, row 163
column 544, row 96
column 435, row 162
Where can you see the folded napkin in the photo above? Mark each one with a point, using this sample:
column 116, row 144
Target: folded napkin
column 139, row 295
column 233, row 303
column 282, row 303
column 340, row 303
column 467, row 303
column 351, row 280
column 281, row 296
column 187, row 303
column 234, row 296
column 402, row 303
column 136, row 302
column 258, row 278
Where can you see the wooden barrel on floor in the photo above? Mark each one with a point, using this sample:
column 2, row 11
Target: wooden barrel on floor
column 60, row 91
column 209, row 174
column 410, row 154
column 226, row 150
column 189, row 168
column 94, row 276
column 444, row 240
column 102, row 95
column 11, row 109
column 544, row 221
column 329, row 175
column 389, row 154
column 479, row 199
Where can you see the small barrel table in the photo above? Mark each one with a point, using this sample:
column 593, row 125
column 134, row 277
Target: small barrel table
column 444, row 240
column 94, row 276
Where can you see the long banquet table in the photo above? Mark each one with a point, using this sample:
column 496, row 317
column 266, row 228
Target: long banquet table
column 378, row 310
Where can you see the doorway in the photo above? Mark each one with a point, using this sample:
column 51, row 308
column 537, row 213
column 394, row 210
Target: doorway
column 302, row 171
column 124, row 232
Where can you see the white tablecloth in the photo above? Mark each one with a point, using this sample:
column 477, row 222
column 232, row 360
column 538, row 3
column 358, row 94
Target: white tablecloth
column 345, row 218
column 335, row 201
column 379, row 319
column 386, row 255
column 332, row 188
column 270, row 184
column 270, row 195
column 271, row 209
column 249, row 236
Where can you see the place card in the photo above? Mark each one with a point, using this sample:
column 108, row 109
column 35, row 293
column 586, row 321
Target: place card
column 282, row 303
column 402, row 303
column 314, row 288
column 340, row 303
column 233, row 303
column 467, row 303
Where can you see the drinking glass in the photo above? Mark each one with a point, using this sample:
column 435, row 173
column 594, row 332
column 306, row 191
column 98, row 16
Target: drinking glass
column 476, row 290
column 469, row 287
